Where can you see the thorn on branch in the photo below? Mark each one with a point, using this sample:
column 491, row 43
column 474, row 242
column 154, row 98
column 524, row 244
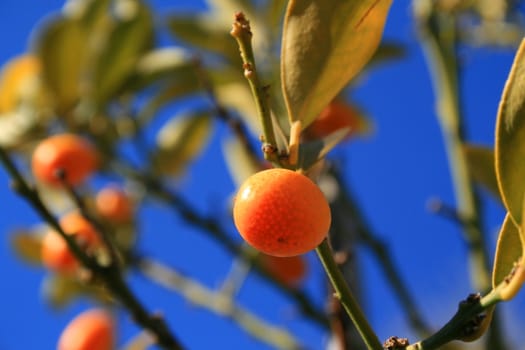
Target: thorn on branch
column 248, row 70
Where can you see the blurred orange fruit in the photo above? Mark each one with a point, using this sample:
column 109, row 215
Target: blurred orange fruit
column 288, row 270
column 93, row 329
column 336, row 116
column 69, row 153
column 113, row 204
column 55, row 252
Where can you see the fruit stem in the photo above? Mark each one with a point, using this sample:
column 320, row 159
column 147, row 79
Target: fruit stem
column 345, row 296
column 242, row 33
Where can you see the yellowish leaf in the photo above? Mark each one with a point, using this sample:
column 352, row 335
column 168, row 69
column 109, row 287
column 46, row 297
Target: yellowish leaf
column 510, row 139
column 62, row 48
column 27, row 245
column 508, row 251
column 480, row 161
column 324, row 45
column 18, row 81
column 180, row 140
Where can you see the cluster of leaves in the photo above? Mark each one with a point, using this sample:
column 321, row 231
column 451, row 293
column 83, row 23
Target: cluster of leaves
column 94, row 69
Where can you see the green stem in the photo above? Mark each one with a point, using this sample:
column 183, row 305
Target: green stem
column 462, row 321
column 242, row 33
column 345, row 296
column 439, row 41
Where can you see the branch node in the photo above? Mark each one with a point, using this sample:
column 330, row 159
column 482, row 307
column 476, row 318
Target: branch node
column 395, row 343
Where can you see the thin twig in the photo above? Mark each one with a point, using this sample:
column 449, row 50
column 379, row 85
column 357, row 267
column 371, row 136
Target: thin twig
column 99, row 228
column 110, row 275
column 218, row 302
column 439, row 40
column 241, row 31
column 235, row 124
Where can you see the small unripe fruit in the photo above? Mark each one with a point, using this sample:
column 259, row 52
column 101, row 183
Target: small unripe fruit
column 70, row 154
column 287, row 270
column 281, row 213
column 55, row 252
column 91, row 330
column 114, row 205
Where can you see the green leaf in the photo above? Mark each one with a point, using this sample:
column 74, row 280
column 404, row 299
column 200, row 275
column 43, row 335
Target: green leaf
column 510, row 139
column 131, row 36
column 165, row 64
column 90, row 12
column 61, row 46
column 313, row 151
column 324, row 45
column 480, row 161
column 206, row 33
column 275, row 11
column 508, row 251
column 27, row 245
column 237, row 95
column 180, row 141
column 240, row 162
column 186, row 82
column 388, row 51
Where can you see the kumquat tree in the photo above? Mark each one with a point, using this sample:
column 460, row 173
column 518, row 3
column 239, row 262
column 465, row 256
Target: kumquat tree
column 262, row 174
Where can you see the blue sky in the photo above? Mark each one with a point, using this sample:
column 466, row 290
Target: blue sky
column 393, row 173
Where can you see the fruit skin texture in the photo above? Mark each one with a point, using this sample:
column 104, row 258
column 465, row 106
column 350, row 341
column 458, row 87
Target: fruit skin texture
column 287, row 270
column 55, row 253
column 337, row 115
column 114, row 205
column 281, row 213
column 92, row 329
column 68, row 152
